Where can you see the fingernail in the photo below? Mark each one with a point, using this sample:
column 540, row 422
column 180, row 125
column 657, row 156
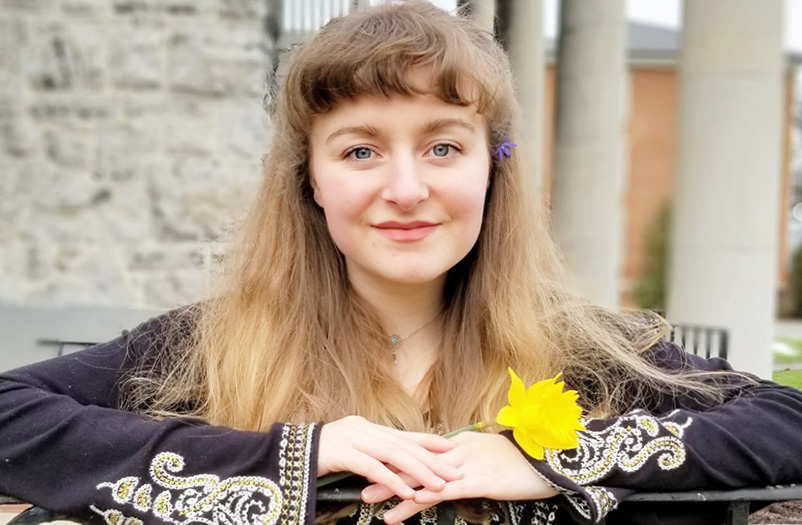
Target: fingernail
column 368, row 493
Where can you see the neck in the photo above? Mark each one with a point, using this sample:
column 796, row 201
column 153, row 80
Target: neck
column 403, row 309
column 406, row 309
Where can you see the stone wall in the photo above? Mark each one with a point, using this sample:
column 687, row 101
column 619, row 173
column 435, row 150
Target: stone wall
column 131, row 137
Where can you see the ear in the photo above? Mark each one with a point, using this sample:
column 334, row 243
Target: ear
column 313, row 183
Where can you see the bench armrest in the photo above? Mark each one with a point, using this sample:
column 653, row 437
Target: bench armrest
column 737, row 514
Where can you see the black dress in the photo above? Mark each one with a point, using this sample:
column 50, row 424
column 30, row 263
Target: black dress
column 66, row 445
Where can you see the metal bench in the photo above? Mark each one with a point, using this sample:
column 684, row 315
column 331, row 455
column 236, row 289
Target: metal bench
column 34, row 515
column 705, row 341
column 737, row 502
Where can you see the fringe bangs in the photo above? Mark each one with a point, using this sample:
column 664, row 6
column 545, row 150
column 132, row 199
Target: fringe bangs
column 393, row 44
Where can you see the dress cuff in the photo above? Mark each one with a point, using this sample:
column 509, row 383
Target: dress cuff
column 585, row 504
column 173, row 491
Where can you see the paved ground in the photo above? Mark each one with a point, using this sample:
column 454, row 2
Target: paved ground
column 788, row 328
column 787, row 366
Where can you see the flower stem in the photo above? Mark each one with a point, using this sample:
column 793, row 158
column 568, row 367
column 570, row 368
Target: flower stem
column 476, row 426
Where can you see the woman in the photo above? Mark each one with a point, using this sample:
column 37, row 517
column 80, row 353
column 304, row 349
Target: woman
column 387, row 275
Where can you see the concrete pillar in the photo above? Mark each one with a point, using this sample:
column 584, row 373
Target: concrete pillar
column 521, row 31
column 484, row 12
column 725, row 232
column 589, row 142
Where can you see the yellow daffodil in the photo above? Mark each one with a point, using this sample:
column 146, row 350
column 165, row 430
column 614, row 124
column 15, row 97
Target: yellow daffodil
column 543, row 416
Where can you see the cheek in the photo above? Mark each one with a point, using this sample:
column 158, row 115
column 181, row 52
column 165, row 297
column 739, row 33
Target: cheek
column 341, row 210
column 341, row 194
column 468, row 204
column 470, row 198
column 335, row 208
column 340, row 228
column 477, row 215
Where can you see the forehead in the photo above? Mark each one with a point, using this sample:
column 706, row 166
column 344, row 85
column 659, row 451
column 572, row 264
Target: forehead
column 421, row 113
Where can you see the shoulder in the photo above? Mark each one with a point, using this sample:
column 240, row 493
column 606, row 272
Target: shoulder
column 167, row 331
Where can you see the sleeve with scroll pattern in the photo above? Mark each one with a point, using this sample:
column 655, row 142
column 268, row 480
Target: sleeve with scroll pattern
column 67, row 446
column 680, row 443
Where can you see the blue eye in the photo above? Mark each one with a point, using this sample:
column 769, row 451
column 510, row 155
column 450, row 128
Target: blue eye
column 442, row 150
column 361, row 153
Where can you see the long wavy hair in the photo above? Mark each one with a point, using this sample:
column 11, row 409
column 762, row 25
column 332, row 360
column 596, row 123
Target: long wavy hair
column 285, row 338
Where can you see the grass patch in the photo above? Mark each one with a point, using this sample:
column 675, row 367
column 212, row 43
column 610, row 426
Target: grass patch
column 789, row 377
column 795, row 345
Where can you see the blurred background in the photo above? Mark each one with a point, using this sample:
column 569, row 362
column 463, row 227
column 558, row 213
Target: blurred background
column 662, row 139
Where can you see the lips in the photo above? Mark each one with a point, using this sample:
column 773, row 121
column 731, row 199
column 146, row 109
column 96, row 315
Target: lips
column 406, row 231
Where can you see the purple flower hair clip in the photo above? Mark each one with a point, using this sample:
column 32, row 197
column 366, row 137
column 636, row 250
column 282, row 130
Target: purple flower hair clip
column 504, row 149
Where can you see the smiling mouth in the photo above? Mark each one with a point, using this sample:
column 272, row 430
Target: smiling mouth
column 406, row 231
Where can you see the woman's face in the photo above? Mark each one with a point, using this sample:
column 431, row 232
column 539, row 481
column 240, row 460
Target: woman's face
column 402, row 183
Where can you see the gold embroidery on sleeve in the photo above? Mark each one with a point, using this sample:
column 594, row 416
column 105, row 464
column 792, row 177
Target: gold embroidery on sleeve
column 206, row 499
column 543, row 512
column 203, row 499
column 142, row 499
column 627, row 444
column 294, row 459
column 602, row 499
column 115, row 517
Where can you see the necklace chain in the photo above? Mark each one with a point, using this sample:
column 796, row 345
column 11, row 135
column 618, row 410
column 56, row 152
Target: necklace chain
column 396, row 340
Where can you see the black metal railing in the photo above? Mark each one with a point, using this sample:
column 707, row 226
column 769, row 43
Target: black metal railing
column 736, row 503
column 705, row 341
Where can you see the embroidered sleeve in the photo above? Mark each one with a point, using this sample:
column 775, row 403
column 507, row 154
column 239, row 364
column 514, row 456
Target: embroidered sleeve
column 626, row 445
column 533, row 512
column 545, row 512
column 67, row 446
column 684, row 444
column 205, row 498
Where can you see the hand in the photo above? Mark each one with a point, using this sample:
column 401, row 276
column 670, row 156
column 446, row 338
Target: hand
column 492, row 467
column 397, row 460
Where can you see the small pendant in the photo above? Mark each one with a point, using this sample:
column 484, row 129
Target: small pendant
column 395, row 338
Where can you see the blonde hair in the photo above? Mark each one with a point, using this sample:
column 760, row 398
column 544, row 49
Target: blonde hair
column 286, row 339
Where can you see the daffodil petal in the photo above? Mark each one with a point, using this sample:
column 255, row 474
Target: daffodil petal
column 517, row 394
column 565, row 443
column 529, row 445
column 508, row 416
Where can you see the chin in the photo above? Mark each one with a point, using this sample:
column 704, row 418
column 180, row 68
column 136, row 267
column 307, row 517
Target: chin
column 415, row 278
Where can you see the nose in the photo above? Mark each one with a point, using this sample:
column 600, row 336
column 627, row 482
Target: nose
column 405, row 184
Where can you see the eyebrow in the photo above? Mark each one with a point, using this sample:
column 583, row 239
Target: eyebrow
column 429, row 127
column 364, row 129
column 435, row 125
